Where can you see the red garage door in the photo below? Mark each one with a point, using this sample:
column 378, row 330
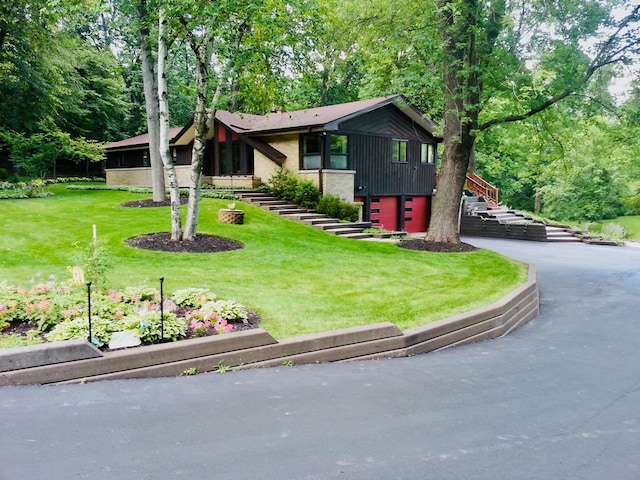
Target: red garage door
column 384, row 212
column 415, row 214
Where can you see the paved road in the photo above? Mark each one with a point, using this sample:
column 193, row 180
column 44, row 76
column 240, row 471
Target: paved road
column 558, row 399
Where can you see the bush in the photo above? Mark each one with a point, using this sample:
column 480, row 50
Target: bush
column 283, row 184
column 334, row 207
column 286, row 185
column 307, row 194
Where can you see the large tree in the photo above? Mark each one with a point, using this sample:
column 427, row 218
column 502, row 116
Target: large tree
column 571, row 42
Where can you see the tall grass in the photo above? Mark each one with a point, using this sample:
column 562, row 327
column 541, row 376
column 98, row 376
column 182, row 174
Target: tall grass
column 301, row 280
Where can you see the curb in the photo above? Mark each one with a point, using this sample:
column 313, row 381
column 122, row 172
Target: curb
column 256, row 348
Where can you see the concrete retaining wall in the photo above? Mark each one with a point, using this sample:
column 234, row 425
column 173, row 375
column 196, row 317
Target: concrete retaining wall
column 256, row 348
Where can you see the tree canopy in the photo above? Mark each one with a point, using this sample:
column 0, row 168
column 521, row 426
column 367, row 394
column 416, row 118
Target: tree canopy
column 521, row 86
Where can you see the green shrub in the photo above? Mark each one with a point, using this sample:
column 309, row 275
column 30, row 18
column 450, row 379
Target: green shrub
column 286, row 185
column 283, row 183
column 334, row 207
column 307, row 194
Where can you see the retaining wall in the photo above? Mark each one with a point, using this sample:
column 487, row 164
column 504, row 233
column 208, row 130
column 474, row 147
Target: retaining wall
column 256, row 348
column 478, row 226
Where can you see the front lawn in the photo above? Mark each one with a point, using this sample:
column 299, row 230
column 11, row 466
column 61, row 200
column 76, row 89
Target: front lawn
column 299, row 279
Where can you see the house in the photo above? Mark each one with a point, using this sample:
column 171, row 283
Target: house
column 380, row 153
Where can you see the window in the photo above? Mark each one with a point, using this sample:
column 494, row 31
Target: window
column 399, row 150
column 339, row 158
column 311, row 152
column 428, row 153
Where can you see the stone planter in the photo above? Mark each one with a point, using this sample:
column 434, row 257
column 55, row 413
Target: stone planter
column 234, row 217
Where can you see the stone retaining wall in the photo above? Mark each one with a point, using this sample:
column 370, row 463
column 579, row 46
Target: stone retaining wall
column 477, row 226
column 256, row 348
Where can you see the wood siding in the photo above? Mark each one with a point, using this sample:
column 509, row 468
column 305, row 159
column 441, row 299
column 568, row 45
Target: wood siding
column 376, row 174
column 387, row 121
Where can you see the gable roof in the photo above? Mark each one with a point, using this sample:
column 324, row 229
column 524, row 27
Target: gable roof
column 175, row 135
column 325, row 118
column 250, row 127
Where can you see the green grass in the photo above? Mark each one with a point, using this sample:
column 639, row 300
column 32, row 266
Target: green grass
column 631, row 225
column 299, row 279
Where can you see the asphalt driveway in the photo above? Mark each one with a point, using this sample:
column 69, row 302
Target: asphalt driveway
column 557, row 399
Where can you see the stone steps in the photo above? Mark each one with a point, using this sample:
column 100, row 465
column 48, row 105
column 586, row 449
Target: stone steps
column 311, row 218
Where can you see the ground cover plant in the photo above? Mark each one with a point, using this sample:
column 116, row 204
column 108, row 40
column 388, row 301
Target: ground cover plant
column 298, row 279
column 58, row 311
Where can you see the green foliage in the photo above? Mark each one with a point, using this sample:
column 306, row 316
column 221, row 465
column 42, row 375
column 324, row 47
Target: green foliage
column 94, row 260
column 229, row 310
column 307, row 194
column 78, row 329
column 283, row 184
column 35, row 155
column 190, row 298
column 334, row 207
column 149, row 325
column 288, row 186
column 33, row 189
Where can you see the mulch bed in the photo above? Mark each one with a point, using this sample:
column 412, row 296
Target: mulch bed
column 149, row 203
column 203, row 243
column 443, row 247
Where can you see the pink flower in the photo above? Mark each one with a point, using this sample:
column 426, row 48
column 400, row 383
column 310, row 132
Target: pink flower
column 221, row 326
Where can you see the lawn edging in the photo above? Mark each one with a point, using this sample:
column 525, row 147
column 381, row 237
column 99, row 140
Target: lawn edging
column 256, row 348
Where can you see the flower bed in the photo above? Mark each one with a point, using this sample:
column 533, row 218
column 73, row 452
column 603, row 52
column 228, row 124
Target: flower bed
column 136, row 315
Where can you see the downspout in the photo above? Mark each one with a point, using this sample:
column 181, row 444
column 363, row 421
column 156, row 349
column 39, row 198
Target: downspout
column 323, row 153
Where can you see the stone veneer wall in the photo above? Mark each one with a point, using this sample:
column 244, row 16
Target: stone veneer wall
column 141, row 176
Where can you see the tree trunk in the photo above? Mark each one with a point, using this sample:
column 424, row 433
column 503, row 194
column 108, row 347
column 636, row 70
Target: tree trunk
column 151, row 103
column 462, row 92
column 203, row 121
column 165, row 152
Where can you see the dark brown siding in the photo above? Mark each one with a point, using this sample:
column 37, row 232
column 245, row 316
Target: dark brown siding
column 387, row 121
column 376, row 174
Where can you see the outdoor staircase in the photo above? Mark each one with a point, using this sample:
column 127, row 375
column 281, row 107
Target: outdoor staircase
column 308, row 217
column 506, row 216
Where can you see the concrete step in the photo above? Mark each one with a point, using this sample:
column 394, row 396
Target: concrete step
column 320, row 221
column 251, row 194
column 266, row 201
column 344, row 231
column 559, row 234
column 284, row 206
column 338, row 225
column 287, row 211
column 357, row 236
column 307, row 215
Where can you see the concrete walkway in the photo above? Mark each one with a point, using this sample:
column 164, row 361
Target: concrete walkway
column 557, row 399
